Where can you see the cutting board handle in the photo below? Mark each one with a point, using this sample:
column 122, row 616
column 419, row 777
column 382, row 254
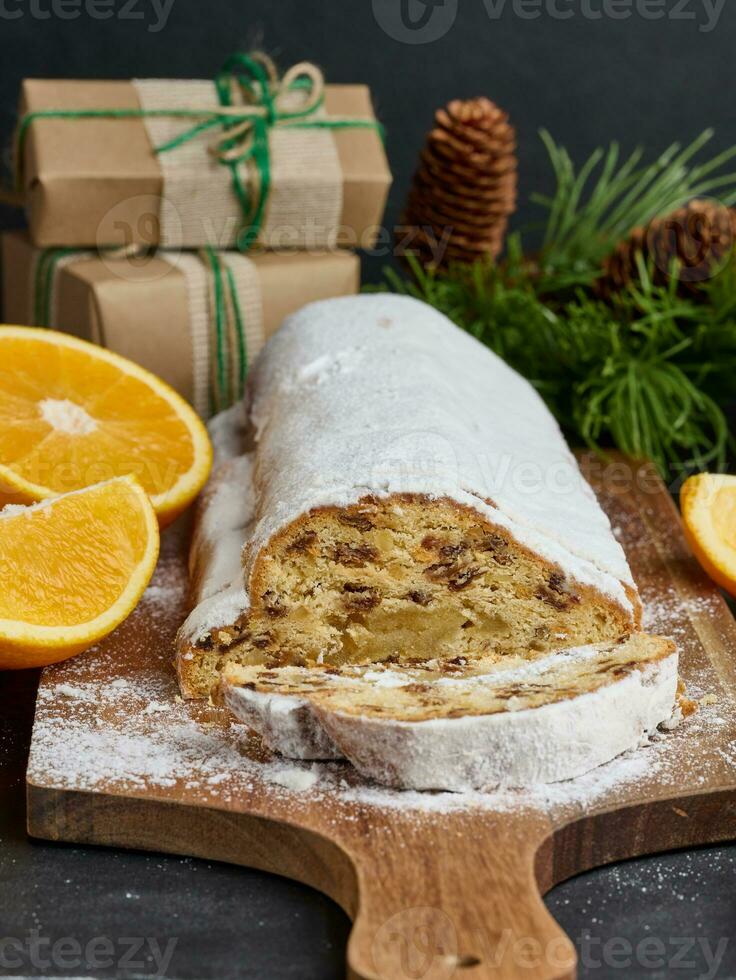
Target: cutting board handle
column 455, row 900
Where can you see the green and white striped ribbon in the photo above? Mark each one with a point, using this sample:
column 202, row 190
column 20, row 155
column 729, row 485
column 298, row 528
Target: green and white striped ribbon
column 225, row 312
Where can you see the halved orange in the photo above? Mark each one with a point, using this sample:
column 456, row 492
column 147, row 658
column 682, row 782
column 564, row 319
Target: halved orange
column 708, row 504
column 71, row 569
column 73, row 414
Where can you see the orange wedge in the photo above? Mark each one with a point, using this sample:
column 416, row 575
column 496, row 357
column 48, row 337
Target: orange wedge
column 73, row 414
column 708, row 504
column 72, row 569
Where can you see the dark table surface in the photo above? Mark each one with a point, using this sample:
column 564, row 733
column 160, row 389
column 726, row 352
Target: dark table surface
column 80, row 912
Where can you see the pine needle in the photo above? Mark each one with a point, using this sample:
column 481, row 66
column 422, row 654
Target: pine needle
column 588, row 215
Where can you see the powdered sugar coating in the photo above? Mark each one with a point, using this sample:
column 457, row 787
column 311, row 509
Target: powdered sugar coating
column 225, row 516
column 376, row 395
column 381, row 394
column 287, row 724
column 513, row 748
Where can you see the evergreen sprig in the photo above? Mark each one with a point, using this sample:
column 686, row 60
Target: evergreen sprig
column 648, row 373
column 595, row 208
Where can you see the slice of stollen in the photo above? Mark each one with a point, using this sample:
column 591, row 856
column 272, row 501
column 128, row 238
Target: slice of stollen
column 465, row 725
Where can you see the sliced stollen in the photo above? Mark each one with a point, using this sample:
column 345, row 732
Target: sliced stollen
column 390, row 489
column 462, row 726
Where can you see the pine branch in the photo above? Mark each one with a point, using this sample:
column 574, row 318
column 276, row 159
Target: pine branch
column 588, row 215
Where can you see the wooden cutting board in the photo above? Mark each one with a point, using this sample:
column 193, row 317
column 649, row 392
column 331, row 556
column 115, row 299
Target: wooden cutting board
column 438, row 885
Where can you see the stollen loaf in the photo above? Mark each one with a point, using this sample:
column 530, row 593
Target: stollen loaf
column 390, row 492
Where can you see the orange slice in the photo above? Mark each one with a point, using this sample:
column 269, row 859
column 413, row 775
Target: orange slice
column 708, row 503
column 72, row 569
column 73, row 414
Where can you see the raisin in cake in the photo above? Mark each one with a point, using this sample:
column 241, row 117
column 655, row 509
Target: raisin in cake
column 464, row 725
column 392, row 491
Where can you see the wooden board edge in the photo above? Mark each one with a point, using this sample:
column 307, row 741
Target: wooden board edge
column 208, row 833
column 637, row 830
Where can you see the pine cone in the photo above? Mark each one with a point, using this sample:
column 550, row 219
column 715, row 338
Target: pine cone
column 700, row 236
column 465, row 187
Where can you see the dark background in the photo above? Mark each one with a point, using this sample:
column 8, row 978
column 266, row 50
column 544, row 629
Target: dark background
column 588, row 81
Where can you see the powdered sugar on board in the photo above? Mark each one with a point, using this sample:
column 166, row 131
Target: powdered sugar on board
column 112, row 720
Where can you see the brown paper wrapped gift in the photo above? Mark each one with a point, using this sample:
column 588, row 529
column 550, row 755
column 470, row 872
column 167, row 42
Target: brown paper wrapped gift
column 99, row 182
column 160, row 310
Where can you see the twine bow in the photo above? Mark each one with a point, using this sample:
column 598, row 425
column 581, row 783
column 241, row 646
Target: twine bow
column 254, row 99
